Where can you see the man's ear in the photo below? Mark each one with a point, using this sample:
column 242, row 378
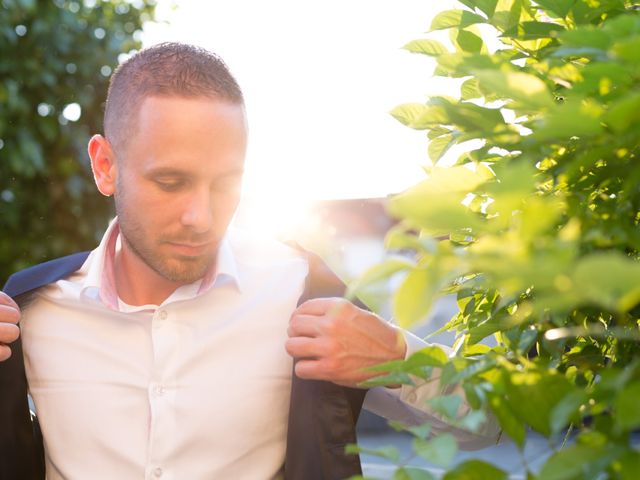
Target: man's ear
column 103, row 165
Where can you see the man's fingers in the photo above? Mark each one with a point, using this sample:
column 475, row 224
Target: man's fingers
column 304, row 326
column 9, row 314
column 5, row 352
column 310, row 369
column 9, row 333
column 304, row 347
column 7, row 300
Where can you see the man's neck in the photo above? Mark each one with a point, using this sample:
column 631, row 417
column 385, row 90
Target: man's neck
column 137, row 283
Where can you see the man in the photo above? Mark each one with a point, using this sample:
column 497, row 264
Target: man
column 164, row 352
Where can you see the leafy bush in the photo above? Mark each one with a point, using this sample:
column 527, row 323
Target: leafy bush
column 54, row 54
column 537, row 226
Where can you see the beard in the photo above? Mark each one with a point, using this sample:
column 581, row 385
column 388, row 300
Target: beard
column 173, row 267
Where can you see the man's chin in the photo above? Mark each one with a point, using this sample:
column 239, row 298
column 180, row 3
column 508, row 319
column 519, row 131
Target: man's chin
column 185, row 269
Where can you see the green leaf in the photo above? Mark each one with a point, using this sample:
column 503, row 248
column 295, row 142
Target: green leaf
column 439, row 450
column 600, row 79
column 629, row 465
column 420, row 431
column 475, row 470
column 472, row 421
column 528, row 91
column 574, row 118
column 455, row 19
column 414, row 297
column 624, row 114
column 393, row 378
column 484, row 329
column 431, row 355
column 426, row 47
column 436, row 132
column 473, row 350
column 609, row 279
column 507, row 419
column 379, row 272
column 436, row 203
column 389, row 453
column 508, row 13
column 559, row 7
column 439, row 146
column 469, row 116
column 628, row 50
column 485, row 6
column 574, row 462
column 588, row 37
column 468, row 41
column 419, row 116
column 544, row 389
column 565, row 411
column 446, row 405
column 627, row 407
column 470, row 89
column 411, row 473
column 535, row 30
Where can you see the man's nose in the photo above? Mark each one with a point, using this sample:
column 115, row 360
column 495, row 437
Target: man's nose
column 198, row 212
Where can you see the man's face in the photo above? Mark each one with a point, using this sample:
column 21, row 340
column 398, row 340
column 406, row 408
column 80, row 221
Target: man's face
column 178, row 182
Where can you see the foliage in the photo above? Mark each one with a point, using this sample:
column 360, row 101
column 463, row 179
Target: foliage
column 54, row 54
column 535, row 227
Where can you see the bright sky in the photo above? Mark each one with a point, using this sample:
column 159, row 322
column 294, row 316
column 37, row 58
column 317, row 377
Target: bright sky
column 319, row 79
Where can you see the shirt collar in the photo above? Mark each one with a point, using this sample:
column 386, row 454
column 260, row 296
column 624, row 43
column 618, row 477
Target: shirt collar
column 100, row 275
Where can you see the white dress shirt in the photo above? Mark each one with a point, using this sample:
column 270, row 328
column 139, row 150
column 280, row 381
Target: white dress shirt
column 195, row 388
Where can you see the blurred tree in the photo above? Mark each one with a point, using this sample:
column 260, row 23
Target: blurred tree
column 55, row 61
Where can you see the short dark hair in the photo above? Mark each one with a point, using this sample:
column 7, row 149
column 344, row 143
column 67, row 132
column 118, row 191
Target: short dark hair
column 166, row 69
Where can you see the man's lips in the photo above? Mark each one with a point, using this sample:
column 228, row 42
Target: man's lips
column 190, row 249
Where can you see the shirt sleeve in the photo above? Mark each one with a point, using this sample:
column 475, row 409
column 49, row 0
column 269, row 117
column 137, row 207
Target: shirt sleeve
column 408, row 404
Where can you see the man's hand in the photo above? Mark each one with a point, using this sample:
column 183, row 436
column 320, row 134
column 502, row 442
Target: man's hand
column 9, row 331
column 334, row 340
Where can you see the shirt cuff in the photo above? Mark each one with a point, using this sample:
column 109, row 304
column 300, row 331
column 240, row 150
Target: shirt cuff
column 417, row 395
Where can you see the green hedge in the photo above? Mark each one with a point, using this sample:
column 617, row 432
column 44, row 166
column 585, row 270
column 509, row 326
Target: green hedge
column 53, row 54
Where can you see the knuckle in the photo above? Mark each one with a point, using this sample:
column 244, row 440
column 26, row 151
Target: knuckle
column 333, row 348
column 331, row 327
column 301, row 370
column 331, row 365
column 289, row 346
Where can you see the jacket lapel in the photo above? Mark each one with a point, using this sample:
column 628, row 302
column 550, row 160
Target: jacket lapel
column 322, row 415
column 21, row 452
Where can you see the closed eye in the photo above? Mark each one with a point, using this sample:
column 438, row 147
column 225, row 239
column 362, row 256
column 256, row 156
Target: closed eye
column 168, row 186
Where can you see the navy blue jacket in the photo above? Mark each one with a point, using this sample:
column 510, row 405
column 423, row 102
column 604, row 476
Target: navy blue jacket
column 322, row 415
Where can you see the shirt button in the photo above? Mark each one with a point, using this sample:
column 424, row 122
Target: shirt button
column 163, row 314
column 158, row 390
column 157, row 472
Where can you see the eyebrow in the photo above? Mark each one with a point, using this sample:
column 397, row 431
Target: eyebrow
column 176, row 172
